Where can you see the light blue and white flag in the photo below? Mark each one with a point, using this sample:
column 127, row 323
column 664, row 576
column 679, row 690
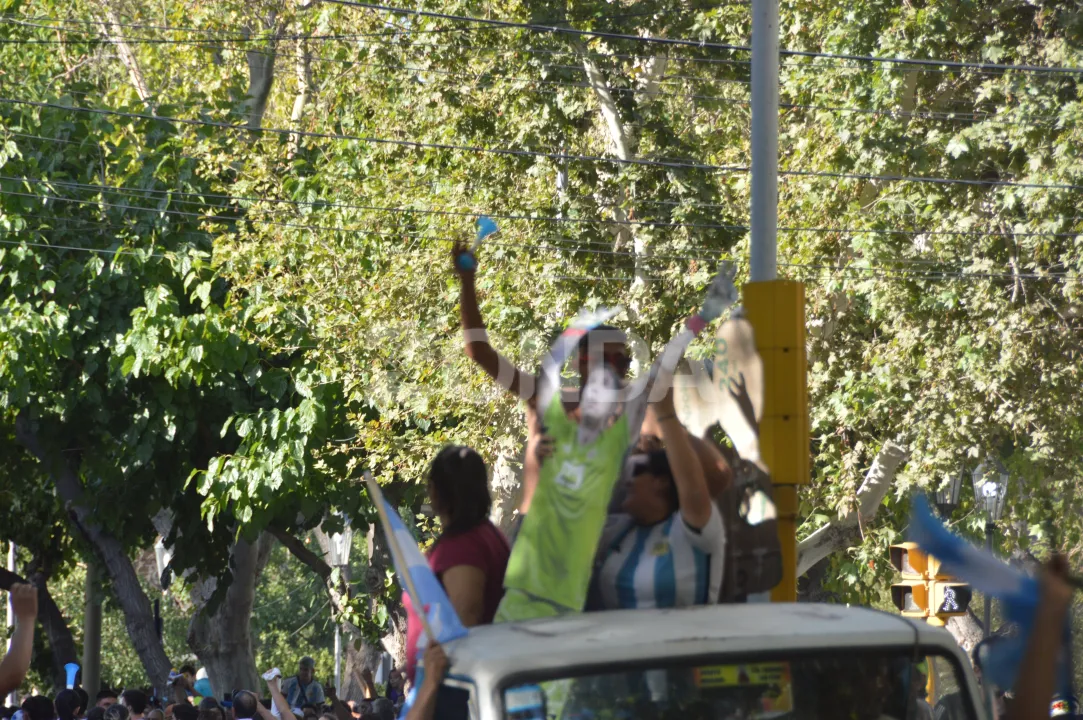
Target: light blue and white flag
column 1018, row 592
column 438, row 617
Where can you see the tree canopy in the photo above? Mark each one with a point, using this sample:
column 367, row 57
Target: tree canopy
column 225, row 283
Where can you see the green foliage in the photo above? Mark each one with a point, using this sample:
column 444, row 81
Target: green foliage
column 250, row 320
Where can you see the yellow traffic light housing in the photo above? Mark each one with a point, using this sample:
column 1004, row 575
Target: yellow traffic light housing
column 949, row 599
column 911, row 562
column 911, row 598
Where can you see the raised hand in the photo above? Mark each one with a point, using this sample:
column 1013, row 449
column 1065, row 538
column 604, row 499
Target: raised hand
column 24, row 602
column 463, row 260
column 721, row 295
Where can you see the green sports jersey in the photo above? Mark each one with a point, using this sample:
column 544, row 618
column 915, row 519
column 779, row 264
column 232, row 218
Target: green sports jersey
column 553, row 555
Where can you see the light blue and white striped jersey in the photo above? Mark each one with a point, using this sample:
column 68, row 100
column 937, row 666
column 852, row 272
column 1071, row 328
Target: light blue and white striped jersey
column 661, row 566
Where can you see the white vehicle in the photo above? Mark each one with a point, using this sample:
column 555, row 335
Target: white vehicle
column 723, row 662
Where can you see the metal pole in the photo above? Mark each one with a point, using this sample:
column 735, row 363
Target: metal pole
column 988, row 600
column 13, row 696
column 764, row 210
column 92, row 632
column 338, row 657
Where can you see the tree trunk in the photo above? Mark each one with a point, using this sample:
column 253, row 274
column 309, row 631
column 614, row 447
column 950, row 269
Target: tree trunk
column 115, row 34
column 842, row 532
column 138, row 618
column 261, row 75
column 810, row 587
column 222, row 640
column 304, row 90
column 967, row 630
column 366, row 655
column 61, row 641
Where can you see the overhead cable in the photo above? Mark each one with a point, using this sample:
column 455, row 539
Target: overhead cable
column 686, row 164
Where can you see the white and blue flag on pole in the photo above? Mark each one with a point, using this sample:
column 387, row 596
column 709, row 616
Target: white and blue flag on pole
column 438, row 617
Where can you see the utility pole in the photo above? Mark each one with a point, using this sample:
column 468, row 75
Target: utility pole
column 92, row 632
column 764, row 212
column 776, row 308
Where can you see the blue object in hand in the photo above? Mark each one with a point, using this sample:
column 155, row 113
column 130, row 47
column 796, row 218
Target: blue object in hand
column 71, row 669
column 467, row 262
column 486, row 227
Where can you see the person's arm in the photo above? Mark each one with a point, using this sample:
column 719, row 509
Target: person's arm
column 436, row 664
column 716, row 469
column 478, row 348
column 24, row 604
column 465, row 586
column 721, row 294
column 317, row 698
column 692, row 493
column 339, row 708
column 1038, row 674
column 368, row 685
column 283, row 707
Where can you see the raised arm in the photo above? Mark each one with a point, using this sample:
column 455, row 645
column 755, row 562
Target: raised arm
column 692, row 493
column 1038, row 674
column 476, row 339
column 656, row 383
column 279, row 700
column 24, row 603
column 339, row 708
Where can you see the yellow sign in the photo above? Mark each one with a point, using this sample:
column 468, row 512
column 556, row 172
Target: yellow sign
column 774, row 678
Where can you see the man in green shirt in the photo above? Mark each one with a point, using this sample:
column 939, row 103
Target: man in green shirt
column 568, row 496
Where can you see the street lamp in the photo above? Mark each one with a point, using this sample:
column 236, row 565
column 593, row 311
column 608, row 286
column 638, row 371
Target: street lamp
column 340, row 558
column 947, row 496
column 990, row 490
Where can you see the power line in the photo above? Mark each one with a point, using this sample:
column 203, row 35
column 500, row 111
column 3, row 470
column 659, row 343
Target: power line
column 377, row 208
column 472, row 213
column 384, row 141
column 927, row 65
column 704, row 44
column 686, row 164
column 715, row 255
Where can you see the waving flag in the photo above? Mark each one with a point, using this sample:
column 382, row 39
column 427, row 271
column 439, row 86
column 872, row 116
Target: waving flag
column 1018, row 592
column 485, row 227
column 438, row 617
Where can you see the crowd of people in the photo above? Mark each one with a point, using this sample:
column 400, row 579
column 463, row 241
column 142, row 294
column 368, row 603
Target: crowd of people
column 190, row 697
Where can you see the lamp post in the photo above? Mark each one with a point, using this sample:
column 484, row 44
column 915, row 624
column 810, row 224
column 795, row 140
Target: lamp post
column 947, row 496
column 340, row 559
column 990, row 490
column 162, row 557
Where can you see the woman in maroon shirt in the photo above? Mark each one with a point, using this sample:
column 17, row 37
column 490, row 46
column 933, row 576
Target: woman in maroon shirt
column 471, row 554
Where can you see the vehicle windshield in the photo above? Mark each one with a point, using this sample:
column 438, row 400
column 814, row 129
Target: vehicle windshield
column 856, row 685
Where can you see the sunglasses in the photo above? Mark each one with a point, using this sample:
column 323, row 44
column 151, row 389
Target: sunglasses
column 617, row 360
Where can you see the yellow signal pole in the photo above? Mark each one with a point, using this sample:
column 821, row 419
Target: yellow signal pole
column 776, row 310
column 930, row 682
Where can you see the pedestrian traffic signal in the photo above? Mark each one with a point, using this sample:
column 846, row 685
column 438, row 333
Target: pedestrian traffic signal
column 926, row 590
column 950, row 598
column 909, row 560
column 913, row 563
column 911, row 598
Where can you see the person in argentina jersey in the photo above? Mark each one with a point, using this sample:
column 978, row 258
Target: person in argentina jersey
column 553, row 556
column 666, row 549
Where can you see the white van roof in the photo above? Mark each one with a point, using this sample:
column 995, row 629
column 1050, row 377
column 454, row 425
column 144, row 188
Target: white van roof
column 493, row 652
